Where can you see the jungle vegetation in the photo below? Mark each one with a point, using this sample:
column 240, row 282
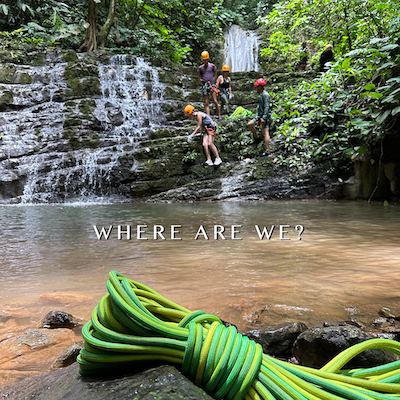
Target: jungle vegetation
column 337, row 114
column 347, row 109
column 178, row 30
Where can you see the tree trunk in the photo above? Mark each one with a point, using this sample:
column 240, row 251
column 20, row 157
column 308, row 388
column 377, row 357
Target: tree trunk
column 105, row 30
column 117, row 35
column 90, row 42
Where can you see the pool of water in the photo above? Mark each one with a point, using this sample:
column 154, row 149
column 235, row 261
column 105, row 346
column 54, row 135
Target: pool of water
column 342, row 259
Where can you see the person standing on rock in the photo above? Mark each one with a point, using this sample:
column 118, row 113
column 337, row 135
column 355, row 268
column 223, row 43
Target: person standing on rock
column 224, row 86
column 207, row 76
column 303, row 56
column 263, row 116
column 209, row 127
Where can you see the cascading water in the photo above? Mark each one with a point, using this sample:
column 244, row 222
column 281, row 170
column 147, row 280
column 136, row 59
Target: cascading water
column 241, row 49
column 132, row 86
column 128, row 109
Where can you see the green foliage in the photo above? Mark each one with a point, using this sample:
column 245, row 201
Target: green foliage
column 175, row 29
column 45, row 23
column 346, row 24
column 344, row 112
column 190, row 156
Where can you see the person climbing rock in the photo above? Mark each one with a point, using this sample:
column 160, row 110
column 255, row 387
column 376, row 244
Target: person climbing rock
column 326, row 56
column 209, row 128
column 263, row 116
column 303, row 56
column 224, row 86
column 207, row 76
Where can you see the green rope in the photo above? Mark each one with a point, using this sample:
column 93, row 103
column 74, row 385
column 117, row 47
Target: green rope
column 240, row 112
column 133, row 323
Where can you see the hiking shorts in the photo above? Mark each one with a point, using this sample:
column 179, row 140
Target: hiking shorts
column 255, row 120
column 207, row 88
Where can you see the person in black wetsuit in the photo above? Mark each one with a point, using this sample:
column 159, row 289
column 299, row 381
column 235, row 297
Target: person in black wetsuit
column 224, row 86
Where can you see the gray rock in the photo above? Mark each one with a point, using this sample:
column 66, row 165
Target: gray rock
column 59, row 319
column 69, row 355
column 35, row 338
column 277, row 340
column 315, row 347
column 164, row 382
column 387, row 313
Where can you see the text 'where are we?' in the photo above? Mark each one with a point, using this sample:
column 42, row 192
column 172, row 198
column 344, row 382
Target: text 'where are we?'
column 179, row 232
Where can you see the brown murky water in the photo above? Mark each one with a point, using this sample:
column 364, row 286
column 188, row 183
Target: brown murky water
column 346, row 263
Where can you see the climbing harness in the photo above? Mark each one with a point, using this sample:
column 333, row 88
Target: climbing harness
column 133, row 323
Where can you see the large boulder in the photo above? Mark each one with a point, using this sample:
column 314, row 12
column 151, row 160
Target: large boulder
column 277, row 340
column 164, row 382
column 317, row 346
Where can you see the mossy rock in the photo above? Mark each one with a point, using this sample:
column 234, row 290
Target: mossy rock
column 86, row 106
column 90, row 141
column 80, row 70
column 74, row 143
column 7, row 73
column 192, row 83
column 69, row 56
column 68, row 122
column 193, row 95
column 162, row 133
column 171, row 77
column 89, row 86
column 140, row 189
column 24, row 78
column 244, row 98
column 35, row 58
column 173, row 93
column 159, row 169
column 6, row 98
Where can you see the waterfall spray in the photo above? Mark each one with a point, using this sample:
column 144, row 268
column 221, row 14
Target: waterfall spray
column 241, row 49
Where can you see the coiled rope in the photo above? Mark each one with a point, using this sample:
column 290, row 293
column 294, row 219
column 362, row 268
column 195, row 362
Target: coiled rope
column 240, row 112
column 133, row 323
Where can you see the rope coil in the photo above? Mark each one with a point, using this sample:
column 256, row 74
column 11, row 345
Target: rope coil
column 133, row 323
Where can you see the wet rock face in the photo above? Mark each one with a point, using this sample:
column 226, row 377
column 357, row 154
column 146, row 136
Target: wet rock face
column 315, row 347
column 79, row 126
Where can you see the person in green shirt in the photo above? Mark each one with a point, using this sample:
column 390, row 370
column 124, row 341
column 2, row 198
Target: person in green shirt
column 263, row 116
column 303, row 56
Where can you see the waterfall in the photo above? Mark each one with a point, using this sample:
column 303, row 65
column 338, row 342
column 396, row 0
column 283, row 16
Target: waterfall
column 127, row 110
column 132, row 86
column 241, row 49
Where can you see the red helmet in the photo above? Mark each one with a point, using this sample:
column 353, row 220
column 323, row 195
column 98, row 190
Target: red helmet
column 260, row 82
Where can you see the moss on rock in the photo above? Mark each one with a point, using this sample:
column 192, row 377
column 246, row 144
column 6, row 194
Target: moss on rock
column 7, row 73
column 6, row 98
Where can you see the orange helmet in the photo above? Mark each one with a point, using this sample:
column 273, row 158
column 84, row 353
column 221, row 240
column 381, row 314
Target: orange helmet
column 225, row 68
column 189, row 109
column 205, row 55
